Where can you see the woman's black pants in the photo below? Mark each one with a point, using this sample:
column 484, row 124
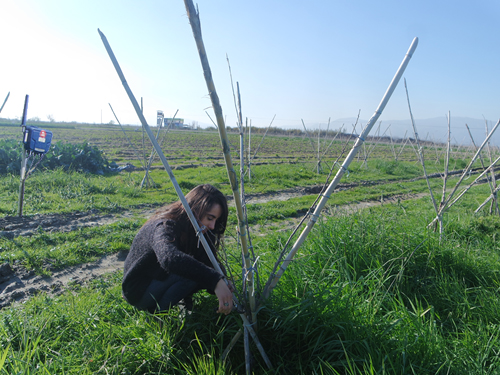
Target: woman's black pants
column 161, row 295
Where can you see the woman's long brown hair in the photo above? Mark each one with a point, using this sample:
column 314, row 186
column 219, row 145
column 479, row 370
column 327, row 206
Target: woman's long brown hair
column 201, row 199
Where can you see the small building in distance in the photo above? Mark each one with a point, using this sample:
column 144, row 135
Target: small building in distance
column 176, row 123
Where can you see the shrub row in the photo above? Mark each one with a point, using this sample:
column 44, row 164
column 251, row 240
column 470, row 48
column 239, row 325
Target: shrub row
column 76, row 157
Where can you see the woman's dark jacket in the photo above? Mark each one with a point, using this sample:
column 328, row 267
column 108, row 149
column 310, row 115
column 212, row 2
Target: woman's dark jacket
column 156, row 252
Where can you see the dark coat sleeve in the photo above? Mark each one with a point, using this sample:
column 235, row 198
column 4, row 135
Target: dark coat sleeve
column 155, row 254
column 173, row 260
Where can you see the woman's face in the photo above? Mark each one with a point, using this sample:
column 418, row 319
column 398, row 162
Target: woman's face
column 210, row 217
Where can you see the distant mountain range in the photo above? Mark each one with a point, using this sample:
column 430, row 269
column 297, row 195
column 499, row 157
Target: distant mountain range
column 431, row 129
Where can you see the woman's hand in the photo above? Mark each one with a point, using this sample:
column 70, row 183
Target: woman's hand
column 225, row 297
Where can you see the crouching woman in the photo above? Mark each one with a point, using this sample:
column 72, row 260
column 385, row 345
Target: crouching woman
column 167, row 263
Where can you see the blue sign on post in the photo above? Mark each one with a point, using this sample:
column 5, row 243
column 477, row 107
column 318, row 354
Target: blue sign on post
column 36, row 140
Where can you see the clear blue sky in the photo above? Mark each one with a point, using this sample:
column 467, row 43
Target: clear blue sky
column 298, row 60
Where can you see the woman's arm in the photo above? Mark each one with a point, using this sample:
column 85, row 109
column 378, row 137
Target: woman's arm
column 173, row 260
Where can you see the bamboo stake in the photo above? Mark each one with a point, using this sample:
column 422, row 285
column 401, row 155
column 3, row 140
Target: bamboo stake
column 177, row 187
column 318, row 167
column 242, row 147
column 248, row 355
column 167, row 128
column 150, row 134
column 243, row 199
column 444, row 208
column 242, row 178
column 445, row 177
column 249, row 153
column 143, row 143
column 494, row 202
column 488, row 199
column 365, row 155
column 153, row 152
column 274, row 278
column 372, row 147
column 194, row 20
column 5, row 101
column 232, row 343
column 326, row 131
column 24, row 160
column 480, row 158
column 354, row 132
column 414, row 150
column 333, row 139
column 150, row 161
column 232, row 88
column 403, row 146
column 313, row 206
column 307, row 134
column 392, row 146
column 127, row 138
column 237, row 106
column 262, row 140
column 420, row 152
column 319, row 158
column 472, row 161
column 465, row 190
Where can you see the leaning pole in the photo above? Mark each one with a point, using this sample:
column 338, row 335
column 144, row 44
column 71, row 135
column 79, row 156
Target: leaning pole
column 273, row 280
column 182, row 198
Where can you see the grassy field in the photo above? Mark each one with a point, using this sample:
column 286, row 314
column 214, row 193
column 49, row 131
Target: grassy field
column 371, row 291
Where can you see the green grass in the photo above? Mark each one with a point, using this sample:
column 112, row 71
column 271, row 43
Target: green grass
column 61, row 192
column 372, row 292
column 44, row 252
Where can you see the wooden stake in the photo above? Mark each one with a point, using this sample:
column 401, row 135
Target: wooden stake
column 177, row 188
column 481, row 159
column 421, row 152
column 465, row 190
column 127, row 138
column 488, row 199
column 5, row 101
column 466, row 170
column 262, row 140
column 403, row 146
column 494, row 202
column 194, row 20
column 153, row 152
column 153, row 140
column 392, row 146
column 249, row 152
column 333, row 139
column 24, row 160
column 312, row 144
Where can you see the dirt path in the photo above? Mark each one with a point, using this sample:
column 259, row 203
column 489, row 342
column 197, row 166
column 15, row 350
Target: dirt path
column 17, row 284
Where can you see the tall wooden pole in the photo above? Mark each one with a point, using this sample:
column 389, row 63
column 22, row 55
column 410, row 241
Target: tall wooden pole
column 194, row 222
column 275, row 277
column 24, row 160
column 421, row 152
column 194, row 20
